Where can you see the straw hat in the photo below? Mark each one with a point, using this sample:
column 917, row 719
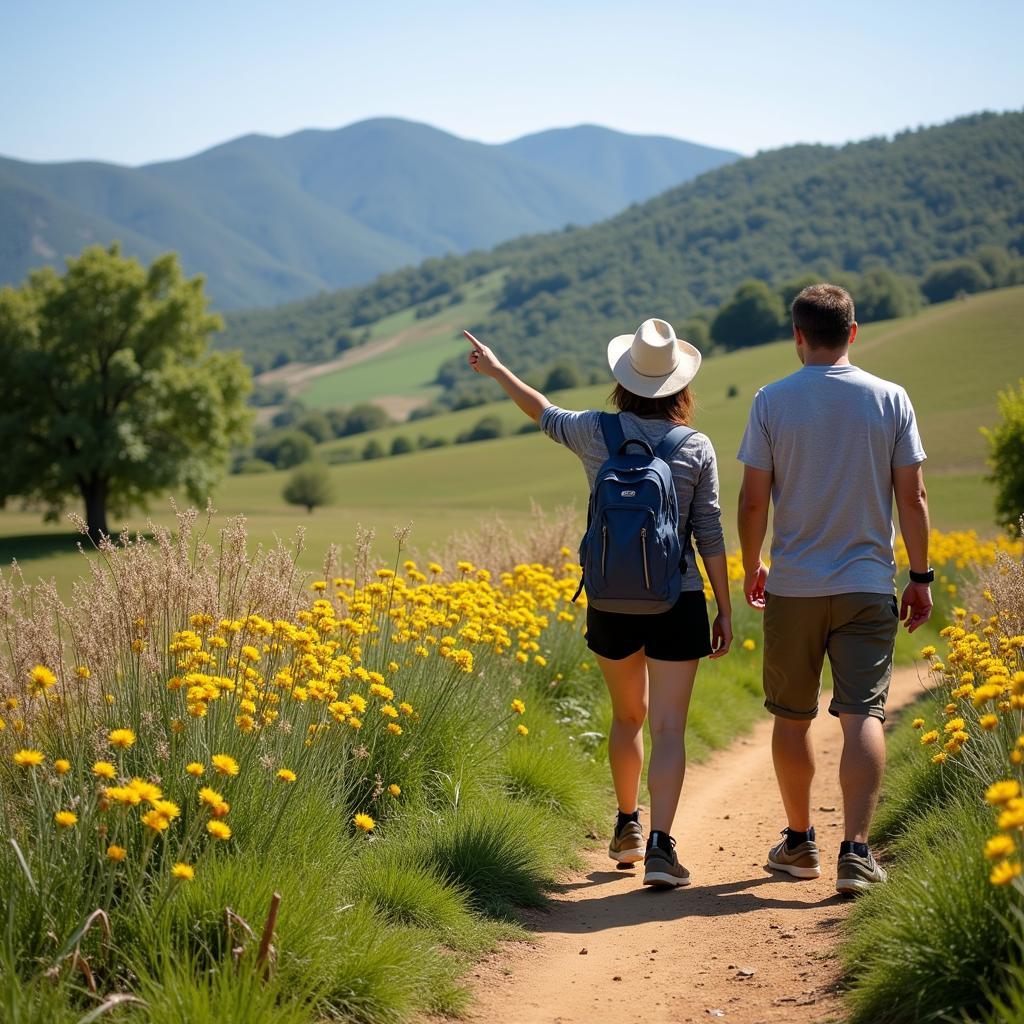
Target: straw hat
column 653, row 362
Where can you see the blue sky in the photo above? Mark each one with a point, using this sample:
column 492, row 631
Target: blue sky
column 135, row 82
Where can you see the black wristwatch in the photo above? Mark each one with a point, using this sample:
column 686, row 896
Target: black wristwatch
column 922, row 577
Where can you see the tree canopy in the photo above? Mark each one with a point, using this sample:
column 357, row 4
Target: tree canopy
column 110, row 390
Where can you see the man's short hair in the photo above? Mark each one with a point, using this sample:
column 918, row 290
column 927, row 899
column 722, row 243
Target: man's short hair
column 824, row 314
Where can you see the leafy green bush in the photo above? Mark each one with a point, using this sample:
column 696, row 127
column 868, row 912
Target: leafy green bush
column 1006, row 457
column 753, row 316
column 309, row 486
column 284, row 448
column 950, row 278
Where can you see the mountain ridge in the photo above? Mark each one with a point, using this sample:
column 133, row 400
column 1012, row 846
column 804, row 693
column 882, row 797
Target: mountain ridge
column 271, row 219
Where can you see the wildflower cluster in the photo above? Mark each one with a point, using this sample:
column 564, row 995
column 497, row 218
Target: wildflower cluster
column 981, row 678
column 150, row 741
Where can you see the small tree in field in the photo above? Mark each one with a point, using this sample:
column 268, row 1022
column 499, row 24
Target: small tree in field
column 1006, row 457
column 110, row 391
column 309, row 486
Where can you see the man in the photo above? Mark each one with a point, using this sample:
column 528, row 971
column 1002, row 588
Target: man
column 830, row 445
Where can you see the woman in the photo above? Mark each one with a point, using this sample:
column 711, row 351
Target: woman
column 649, row 661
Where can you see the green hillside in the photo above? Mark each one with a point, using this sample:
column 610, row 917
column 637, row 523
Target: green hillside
column 267, row 220
column 899, row 204
column 952, row 358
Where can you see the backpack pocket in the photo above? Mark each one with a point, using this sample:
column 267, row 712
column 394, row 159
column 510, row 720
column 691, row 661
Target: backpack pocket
column 625, row 559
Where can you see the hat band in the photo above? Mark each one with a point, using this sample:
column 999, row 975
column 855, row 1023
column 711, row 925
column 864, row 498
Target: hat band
column 661, row 373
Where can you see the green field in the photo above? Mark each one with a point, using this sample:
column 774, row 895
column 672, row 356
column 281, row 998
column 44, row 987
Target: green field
column 407, row 370
column 952, row 359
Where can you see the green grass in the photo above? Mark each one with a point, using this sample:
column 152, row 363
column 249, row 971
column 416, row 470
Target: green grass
column 938, row 942
column 927, row 944
column 409, row 370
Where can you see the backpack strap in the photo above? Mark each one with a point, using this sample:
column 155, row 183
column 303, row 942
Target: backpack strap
column 611, row 429
column 670, row 444
column 672, row 441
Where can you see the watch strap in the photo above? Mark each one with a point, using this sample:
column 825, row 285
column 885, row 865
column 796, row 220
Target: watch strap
column 922, row 577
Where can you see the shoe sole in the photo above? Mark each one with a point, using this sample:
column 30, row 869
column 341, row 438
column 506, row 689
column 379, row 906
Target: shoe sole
column 795, row 870
column 664, row 880
column 627, row 856
column 854, row 886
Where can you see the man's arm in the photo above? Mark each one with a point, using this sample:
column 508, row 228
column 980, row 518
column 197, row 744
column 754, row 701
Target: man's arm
column 912, row 509
column 485, row 362
column 755, row 500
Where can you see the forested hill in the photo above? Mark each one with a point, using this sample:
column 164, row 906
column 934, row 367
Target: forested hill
column 272, row 219
column 903, row 204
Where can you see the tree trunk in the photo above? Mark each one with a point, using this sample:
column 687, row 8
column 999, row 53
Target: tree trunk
column 94, row 493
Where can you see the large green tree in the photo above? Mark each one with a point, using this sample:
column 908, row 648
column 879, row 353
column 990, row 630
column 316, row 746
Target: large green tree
column 110, row 390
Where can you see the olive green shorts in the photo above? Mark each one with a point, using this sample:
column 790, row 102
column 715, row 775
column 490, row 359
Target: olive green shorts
column 856, row 631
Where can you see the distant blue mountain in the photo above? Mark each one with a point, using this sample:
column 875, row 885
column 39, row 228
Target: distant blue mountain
column 273, row 219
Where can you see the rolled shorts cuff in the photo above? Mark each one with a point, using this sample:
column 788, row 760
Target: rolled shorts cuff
column 867, row 710
column 781, row 711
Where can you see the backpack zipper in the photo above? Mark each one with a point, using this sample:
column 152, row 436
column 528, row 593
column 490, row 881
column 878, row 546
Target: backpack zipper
column 604, row 546
column 643, row 548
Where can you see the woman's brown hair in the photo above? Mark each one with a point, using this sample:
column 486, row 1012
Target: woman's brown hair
column 678, row 407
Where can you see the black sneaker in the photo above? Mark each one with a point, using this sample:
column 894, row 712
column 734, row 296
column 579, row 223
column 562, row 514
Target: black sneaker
column 662, row 868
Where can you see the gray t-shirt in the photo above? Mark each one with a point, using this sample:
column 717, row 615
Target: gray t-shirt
column 831, row 436
column 694, row 471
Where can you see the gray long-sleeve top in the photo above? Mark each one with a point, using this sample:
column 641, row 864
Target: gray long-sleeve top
column 694, row 470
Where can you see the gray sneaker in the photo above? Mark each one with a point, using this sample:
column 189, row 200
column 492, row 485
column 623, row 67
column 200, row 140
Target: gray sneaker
column 627, row 845
column 800, row 862
column 662, row 868
column 858, row 874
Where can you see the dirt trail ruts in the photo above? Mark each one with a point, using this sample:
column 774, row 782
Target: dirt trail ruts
column 609, row 949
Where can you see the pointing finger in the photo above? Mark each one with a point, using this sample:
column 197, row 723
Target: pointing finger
column 476, row 344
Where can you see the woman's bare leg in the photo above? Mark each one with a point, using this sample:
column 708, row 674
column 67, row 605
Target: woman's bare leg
column 670, row 687
column 627, row 684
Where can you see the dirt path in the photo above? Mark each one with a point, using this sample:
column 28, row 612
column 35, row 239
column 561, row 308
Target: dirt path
column 610, row 950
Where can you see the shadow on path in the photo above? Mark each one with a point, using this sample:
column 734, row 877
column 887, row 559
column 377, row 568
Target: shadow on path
column 645, row 904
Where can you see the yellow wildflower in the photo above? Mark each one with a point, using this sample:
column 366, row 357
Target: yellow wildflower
column 930, row 737
column 518, row 707
column 917, row 723
column 183, row 872
column 41, row 679
column 219, row 829
column 1000, row 793
column 522, row 730
column 225, row 764
column 61, row 766
column 364, row 822
column 749, row 644
column 395, row 790
column 65, row 819
column 999, row 847
column 121, row 738
column 286, row 774
column 1004, row 872
column 116, row 853
column 195, row 769
column 104, row 770
column 156, row 821
column 28, row 758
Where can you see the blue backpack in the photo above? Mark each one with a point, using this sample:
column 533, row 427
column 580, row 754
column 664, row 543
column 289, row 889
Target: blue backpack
column 631, row 555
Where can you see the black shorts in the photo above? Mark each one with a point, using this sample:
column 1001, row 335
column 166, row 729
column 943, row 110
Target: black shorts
column 680, row 634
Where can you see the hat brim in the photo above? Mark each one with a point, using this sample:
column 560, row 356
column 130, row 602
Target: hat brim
column 652, row 387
